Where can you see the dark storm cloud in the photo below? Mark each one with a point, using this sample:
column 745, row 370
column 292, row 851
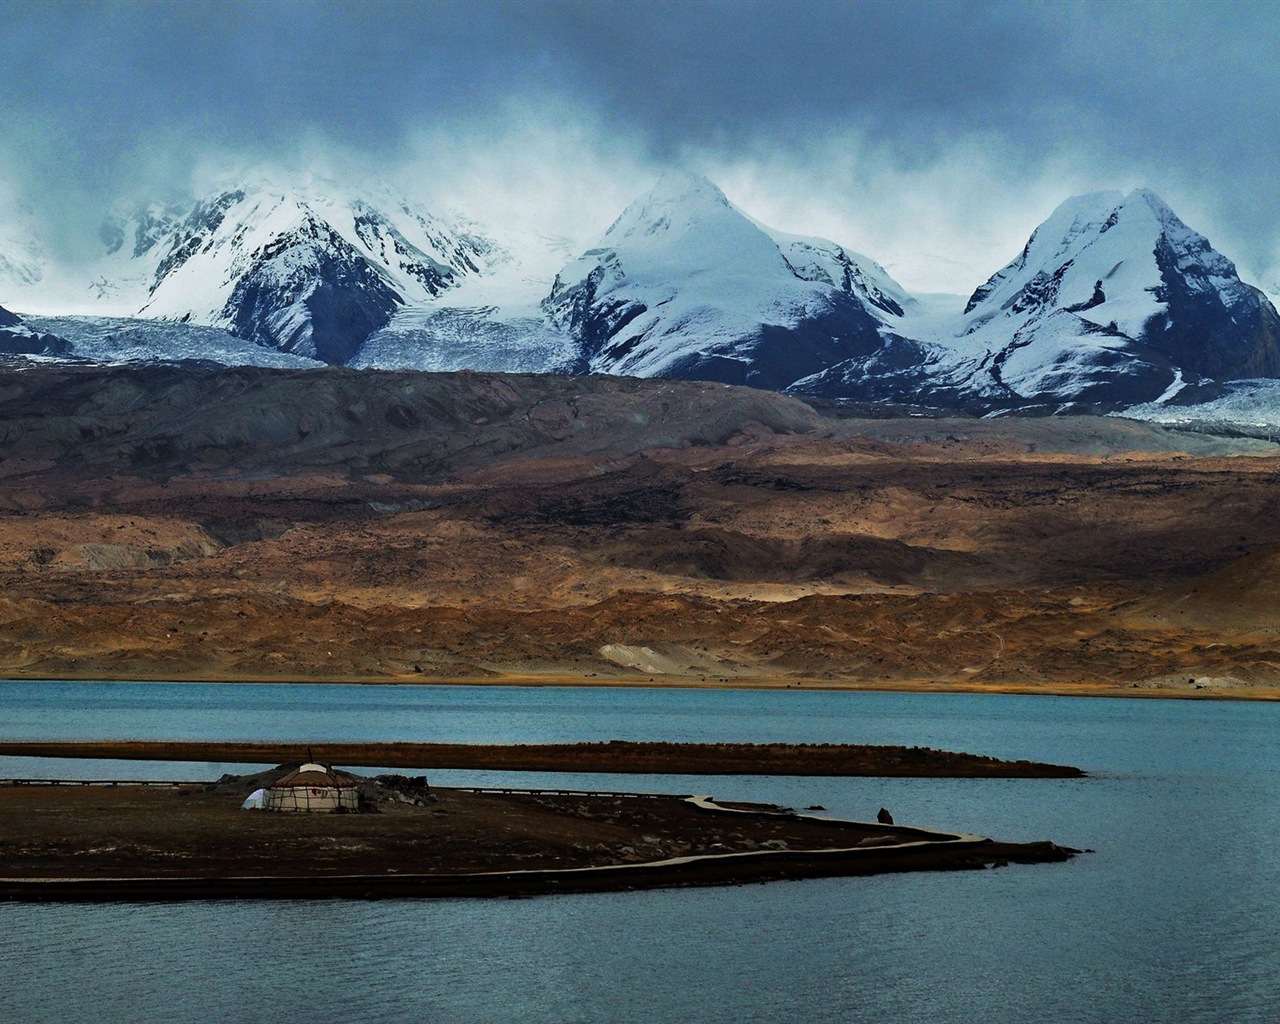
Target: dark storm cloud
column 1179, row 94
column 1186, row 93
column 103, row 79
column 104, row 76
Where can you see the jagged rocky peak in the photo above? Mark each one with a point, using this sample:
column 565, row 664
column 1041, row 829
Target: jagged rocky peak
column 1107, row 248
column 421, row 252
column 1078, row 238
column 309, row 268
column 1050, row 245
column 1115, row 300
column 818, row 260
column 17, row 338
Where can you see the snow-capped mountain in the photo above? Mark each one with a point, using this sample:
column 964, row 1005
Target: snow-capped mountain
column 1115, row 300
column 684, row 284
column 1113, row 304
column 311, row 271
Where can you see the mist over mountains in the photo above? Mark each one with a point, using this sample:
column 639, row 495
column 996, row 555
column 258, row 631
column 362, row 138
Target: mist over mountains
column 1113, row 305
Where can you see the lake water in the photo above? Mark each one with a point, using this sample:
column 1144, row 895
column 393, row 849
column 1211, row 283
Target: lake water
column 1175, row 917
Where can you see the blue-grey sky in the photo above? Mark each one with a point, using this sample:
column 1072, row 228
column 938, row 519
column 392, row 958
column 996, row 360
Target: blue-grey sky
column 931, row 136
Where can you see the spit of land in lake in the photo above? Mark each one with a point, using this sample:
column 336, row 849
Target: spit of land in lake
column 130, row 841
column 614, row 756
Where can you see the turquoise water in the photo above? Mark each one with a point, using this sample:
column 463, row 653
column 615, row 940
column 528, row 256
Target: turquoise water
column 1175, row 917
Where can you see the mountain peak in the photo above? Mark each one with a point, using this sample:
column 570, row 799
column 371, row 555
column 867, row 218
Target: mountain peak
column 307, row 265
column 1077, row 225
column 1146, row 194
column 1088, row 204
column 677, row 186
column 1102, row 210
column 1115, row 298
column 1149, row 196
column 1107, row 208
column 1172, row 227
column 678, row 200
column 685, row 284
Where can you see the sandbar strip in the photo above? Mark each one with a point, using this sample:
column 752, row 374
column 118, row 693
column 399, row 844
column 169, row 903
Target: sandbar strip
column 614, row 757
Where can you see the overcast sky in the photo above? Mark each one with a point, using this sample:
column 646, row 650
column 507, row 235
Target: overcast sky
column 930, row 136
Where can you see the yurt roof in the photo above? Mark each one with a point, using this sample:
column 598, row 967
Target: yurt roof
column 313, row 776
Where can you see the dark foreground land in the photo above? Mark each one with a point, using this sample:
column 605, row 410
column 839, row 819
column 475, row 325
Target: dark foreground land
column 192, row 841
column 616, row 756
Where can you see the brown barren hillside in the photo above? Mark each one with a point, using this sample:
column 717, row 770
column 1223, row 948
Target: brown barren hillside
column 199, row 523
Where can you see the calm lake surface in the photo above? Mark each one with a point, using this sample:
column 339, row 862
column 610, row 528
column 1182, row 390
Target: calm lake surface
column 1175, row 917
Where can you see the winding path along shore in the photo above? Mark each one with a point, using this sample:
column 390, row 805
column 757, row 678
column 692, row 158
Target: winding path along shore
column 615, row 757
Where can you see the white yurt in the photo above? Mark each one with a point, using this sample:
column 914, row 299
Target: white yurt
column 311, row 787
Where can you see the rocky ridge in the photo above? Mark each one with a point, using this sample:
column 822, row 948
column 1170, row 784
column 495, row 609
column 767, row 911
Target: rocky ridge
column 19, row 339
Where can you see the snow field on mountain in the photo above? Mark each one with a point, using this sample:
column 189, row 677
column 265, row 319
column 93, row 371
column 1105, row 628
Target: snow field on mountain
column 1103, row 241
column 1061, row 358
column 825, row 262
column 685, row 253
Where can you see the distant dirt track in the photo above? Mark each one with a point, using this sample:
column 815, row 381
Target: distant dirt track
column 615, row 757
